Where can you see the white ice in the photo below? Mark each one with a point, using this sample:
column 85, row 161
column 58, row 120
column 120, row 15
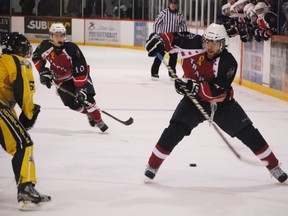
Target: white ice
column 90, row 173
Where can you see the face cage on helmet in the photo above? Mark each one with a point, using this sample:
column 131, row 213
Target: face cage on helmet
column 222, row 43
column 51, row 35
column 25, row 50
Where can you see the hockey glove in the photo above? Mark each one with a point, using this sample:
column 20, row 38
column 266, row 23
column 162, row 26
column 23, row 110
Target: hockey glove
column 29, row 123
column 191, row 85
column 46, row 77
column 257, row 35
column 154, row 44
column 81, row 95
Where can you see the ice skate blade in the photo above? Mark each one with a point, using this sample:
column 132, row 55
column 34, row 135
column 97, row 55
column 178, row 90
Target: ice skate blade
column 29, row 206
column 148, row 180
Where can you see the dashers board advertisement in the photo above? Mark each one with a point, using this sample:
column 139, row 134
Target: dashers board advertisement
column 102, row 32
column 38, row 28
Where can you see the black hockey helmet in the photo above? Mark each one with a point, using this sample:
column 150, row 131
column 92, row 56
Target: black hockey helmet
column 16, row 43
column 174, row 1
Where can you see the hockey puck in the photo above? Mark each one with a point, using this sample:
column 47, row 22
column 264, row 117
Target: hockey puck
column 192, row 165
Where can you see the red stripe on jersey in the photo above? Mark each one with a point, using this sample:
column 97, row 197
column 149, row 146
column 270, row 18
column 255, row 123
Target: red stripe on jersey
column 80, row 80
column 168, row 38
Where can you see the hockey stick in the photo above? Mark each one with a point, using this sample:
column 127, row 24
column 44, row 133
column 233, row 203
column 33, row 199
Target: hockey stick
column 206, row 116
column 127, row 122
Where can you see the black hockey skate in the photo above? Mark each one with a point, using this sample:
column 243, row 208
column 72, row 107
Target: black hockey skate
column 279, row 174
column 91, row 121
column 28, row 197
column 150, row 172
column 102, row 126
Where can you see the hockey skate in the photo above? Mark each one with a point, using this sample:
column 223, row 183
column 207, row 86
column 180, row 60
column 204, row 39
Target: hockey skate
column 279, row 174
column 28, row 197
column 102, row 126
column 91, row 121
column 150, row 173
column 154, row 77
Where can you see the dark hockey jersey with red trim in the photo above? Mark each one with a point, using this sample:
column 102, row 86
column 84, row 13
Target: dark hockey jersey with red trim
column 214, row 76
column 67, row 62
column 268, row 23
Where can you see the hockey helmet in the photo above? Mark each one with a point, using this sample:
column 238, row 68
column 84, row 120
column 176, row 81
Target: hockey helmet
column 261, row 8
column 16, row 43
column 57, row 28
column 215, row 33
column 249, row 11
column 238, row 7
column 226, row 9
column 173, row 1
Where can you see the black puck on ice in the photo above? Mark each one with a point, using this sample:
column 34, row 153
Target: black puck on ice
column 192, row 165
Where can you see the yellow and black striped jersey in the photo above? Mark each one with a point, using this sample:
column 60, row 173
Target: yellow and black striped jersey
column 17, row 83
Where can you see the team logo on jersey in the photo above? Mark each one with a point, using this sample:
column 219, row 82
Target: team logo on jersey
column 231, row 72
column 200, row 60
column 31, row 159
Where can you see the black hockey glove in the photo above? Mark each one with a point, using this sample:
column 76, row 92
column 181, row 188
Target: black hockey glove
column 81, row 95
column 154, row 44
column 29, row 123
column 46, row 77
column 191, row 85
column 257, row 35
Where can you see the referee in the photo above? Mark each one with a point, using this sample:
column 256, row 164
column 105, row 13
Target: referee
column 168, row 20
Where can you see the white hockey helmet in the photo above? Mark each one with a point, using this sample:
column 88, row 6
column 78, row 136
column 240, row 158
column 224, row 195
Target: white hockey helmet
column 249, row 11
column 57, row 28
column 238, row 7
column 215, row 32
column 226, row 9
column 261, row 8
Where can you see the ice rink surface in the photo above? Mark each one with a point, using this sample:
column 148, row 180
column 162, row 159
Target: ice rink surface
column 89, row 173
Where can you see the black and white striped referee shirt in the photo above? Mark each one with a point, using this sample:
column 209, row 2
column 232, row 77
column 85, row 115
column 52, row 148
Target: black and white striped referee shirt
column 168, row 21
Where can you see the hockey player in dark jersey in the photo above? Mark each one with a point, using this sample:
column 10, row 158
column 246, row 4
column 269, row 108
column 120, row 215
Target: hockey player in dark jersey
column 69, row 70
column 209, row 70
column 266, row 21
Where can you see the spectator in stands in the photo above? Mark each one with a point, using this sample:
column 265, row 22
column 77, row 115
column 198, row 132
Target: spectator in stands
column 284, row 18
column 120, row 10
column 96, row 6
column 5, row 7
column 27, row 6
column 49, row 8
column 74, row 7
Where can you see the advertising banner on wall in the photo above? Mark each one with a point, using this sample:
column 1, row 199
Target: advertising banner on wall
column 253, row 62
column 140, row 33
column 279, row 66
column 5, row 26
column 38, row 28
column 102, row 31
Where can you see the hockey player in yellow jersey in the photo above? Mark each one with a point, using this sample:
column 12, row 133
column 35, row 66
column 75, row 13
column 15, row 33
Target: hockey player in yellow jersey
column 17, row 88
